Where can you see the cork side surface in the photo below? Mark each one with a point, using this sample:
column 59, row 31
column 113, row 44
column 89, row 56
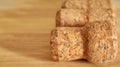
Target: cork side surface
column 71, row 18
column 67, row 44
column 102, row 42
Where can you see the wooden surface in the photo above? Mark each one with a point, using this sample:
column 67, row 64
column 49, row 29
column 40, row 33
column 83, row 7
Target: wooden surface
column 25, row 27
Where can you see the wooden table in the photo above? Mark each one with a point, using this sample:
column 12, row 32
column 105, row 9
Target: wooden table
column 25, row 27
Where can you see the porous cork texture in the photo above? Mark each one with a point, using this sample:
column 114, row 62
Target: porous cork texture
column 102, row 42
column 76, row 4
column 101, row 10
column 85, row 29
column 71, row 18
column 67, row 43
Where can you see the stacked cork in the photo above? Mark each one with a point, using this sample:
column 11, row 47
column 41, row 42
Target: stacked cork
column 85, row 29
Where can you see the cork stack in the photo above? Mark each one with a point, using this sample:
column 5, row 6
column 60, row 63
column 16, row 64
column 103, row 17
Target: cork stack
column 85, row 29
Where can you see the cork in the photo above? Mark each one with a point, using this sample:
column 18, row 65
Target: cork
column 71, row 18
column 67, row 43
column 102, row 42
column 85, row 29
column 76, row 4
column 101, row 10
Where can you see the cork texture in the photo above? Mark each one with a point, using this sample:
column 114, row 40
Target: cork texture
column 102, row 42
column 101, row 10
column 67, row 44
column 76, row 4
column 71, row 18
column 85, row 29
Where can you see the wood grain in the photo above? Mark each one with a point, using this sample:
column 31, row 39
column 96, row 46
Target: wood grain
column 25, row 27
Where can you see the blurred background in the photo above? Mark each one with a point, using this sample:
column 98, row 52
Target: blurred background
column 25, row 27
column 30, row 16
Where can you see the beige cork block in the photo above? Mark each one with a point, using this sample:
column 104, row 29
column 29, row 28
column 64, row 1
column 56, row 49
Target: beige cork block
column 71, row 18
column 76, row 4
column 101, row 10
column 67, row 43
column 102, row 42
